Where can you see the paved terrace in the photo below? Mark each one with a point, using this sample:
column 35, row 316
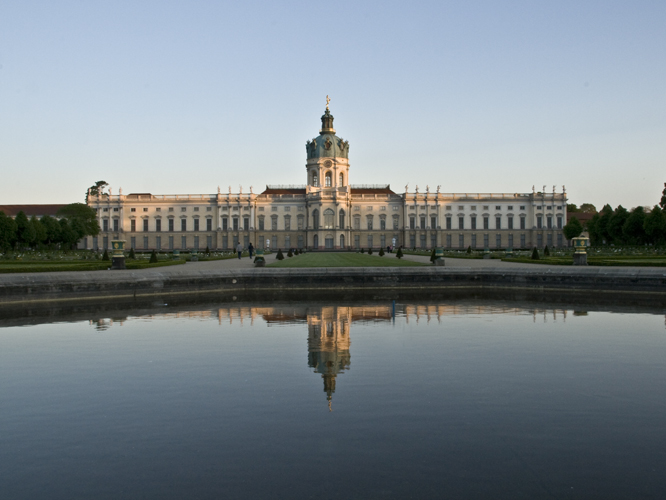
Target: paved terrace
column 234, row 275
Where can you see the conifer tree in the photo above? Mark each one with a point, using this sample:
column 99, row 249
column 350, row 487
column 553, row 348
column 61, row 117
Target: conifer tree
column 370, row 251
column 153, row 257
column 546, row 252
column 399, row 253
column 535, row 254
column 381, row 252
column 279, row 255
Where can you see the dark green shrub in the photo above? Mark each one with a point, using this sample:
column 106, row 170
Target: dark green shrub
column 290, row 253
column 546, row 252
column 131, row 254
column 207, row 250
column 362, row 251
column 399, row 254
column 381, row 252
column 469, row 249
column 153, row 257
column 369, row 251
column 279, row 255
column 105, row 255
column 432, row 256
column 535, row 254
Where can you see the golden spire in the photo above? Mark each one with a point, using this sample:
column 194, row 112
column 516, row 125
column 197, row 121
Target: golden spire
column 327, row 101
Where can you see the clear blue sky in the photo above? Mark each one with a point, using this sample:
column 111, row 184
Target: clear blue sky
column 478, row 96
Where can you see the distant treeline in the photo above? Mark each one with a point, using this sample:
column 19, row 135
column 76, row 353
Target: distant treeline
column 73, row 222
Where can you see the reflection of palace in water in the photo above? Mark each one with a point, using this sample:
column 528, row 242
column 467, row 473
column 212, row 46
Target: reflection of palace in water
column 329, row 326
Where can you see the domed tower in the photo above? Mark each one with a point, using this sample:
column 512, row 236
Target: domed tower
column 328, row 192
column 328, row 157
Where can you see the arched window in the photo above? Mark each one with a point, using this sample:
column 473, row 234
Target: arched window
column 315, row 179
column 329, row 215
column 315, row 242
column 328, row 180
column 342, row 241
column 342, row 219
column 315, row 219
column 342, row 180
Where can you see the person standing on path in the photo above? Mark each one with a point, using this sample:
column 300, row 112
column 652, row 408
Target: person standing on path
column 239, row 249
column 250, row 249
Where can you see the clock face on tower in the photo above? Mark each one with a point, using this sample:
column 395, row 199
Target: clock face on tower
column 328, row 163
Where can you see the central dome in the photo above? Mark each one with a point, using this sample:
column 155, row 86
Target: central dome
column 327, row 144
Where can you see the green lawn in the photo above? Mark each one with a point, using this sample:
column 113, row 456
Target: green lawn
column 38, row 266
column 316, row 259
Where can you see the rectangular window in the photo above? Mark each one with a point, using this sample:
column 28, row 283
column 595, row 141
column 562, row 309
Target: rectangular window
column 287, row 224
column 369, row 241
column 433, row 222
column 158, row 243
column 246, row 223
column 549, row 222
column 423, row 222
column 370, row 223
column 301, row 241
column 274, row 223
column 196, row 224
column 145, row 242
column 412, row 241
column 105, row 225
column 498, row 207
column 183, row 225
column 473, row 241
column 511, row 241
column 448, row 241
column 261, row 224
column 522, row 207
column 235, row 223
column 105, row 242
column 382, row 241
column 132, row 209
column 498, row 241
column 522, row 241
column 461, row 241
column 473, row 219
column 287, row 242
column 412, row 222
column 133, row 225
column 522, row 223
column 559, row 239
column 196, row 209
column 396, row 221
column 209, row 224
column 357, row 241
column 225, row 224
column 539, row 221
column 196, row 243
column 423, row 241
column 510, row 222
column 115, row 224
column 357, row 224
column 145, row 225
column 225, row 241
column 448, row 223
column 171, row 225
column 461, row 223
column 209, row 242
column 382, row 224
column 158, row 225
column 433, row 240
column 498, row 222
column 486, row 243
column 559, row 222
column 486, row 223
column 539, row 240
column 170, row 242
column 183, row 242
column 301, row 222
column 549, row 239
column 133, row 242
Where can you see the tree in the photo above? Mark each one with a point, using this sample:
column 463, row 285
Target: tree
column 535, row 254
column 572, row 208
column 7, row 232
column 40, row 231
column 655, row 226
column 95, row 189
column 82, row 219
column 105, row 255
column 279, row 255
column 616, row 224
column 604, row 223
column 153, row 257
column 52, row 229
column 546, row 252
column 432, row 256
column 469, row 250
column 25, row 233
column 131, row 255
column 290, row 253
column 587, row 208
column 573, row 228
column 633, row 230
column 370, row 251
column 662, row 203
column 68, row 236
column 399, row 254
column 381, row 252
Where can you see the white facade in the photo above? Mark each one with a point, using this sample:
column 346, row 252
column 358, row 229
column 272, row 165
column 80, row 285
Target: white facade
column 330, row 213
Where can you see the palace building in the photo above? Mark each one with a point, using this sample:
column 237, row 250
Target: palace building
column 329, row 212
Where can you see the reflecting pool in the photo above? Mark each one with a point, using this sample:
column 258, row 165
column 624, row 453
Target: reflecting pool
column 337, row 399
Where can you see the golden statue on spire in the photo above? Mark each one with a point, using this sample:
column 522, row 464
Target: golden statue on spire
column 327, row 101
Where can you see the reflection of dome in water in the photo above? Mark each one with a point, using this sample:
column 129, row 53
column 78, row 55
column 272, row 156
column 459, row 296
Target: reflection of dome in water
column 328, row 346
